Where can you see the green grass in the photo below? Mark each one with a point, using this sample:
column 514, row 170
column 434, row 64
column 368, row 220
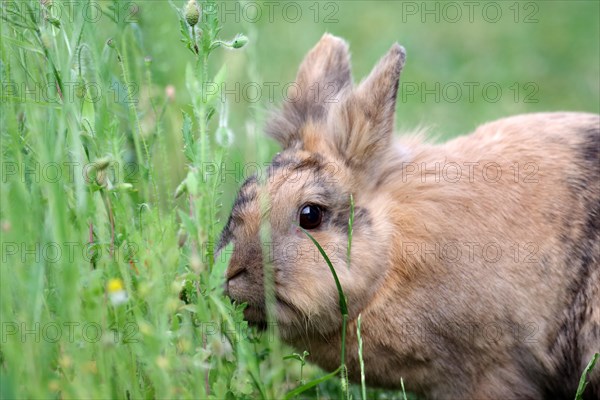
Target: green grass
column 105, row 116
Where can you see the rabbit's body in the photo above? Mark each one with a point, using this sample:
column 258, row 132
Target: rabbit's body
column 493, row 290
column 475, row 264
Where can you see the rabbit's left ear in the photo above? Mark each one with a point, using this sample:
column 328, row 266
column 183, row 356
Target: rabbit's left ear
column 322, row 78
column 363, row 124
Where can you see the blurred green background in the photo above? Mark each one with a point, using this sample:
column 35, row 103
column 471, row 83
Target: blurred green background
column 467, row 63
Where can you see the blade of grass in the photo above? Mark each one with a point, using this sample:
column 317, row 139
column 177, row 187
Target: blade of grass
column 403, row 391
column 311, row 384
column 342, row 300
column 350, row 230
column 363, row 386
column 342, row 297
column 582, row 382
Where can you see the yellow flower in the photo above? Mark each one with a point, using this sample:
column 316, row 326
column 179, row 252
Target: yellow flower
column 114, row 285
column 116, row 291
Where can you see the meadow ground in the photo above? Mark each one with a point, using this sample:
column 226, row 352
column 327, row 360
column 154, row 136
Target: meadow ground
column 109, row 109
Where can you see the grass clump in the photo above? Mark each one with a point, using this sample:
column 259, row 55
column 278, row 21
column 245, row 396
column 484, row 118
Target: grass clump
column 106, row 291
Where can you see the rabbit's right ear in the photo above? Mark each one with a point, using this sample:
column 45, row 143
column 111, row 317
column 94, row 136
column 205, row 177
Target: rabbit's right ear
column 322, row 77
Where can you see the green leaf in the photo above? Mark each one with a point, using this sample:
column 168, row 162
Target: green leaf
column 21, row 44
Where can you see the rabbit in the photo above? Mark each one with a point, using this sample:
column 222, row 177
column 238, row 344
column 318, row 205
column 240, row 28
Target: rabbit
column 474, row 264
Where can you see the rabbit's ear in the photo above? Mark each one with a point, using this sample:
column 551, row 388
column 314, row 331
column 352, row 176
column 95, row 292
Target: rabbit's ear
column 363, row 124
column 322, row 77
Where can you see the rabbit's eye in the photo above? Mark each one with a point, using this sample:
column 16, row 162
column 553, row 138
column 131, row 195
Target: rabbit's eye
column 310, row 216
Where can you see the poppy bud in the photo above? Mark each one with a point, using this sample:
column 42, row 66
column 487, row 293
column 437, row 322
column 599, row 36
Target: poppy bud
column 192, row 13
column 239, row 41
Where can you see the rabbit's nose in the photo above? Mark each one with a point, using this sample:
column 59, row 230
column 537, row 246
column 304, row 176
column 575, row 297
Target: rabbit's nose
column 233, row 271
column 232, row 275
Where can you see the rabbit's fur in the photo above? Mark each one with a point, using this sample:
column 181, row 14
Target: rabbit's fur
column 473, row 287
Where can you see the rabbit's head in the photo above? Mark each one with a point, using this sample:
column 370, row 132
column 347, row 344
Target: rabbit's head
column 336, row 139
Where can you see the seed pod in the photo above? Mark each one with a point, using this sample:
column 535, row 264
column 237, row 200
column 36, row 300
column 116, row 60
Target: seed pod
column 101, row 178
column 102, row 163
column 192, row 13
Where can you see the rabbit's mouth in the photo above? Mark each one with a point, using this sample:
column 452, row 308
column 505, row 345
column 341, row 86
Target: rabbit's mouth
column 243, row 286
column 256, row 314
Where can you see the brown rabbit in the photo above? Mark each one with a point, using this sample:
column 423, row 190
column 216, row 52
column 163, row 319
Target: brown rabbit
column 475, row 264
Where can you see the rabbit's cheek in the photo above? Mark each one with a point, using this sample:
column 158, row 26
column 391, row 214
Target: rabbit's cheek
column 297, row 232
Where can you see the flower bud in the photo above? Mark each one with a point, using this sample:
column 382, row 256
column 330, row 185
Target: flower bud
column 239, row 41
column 123, row 187
column 181, row 189
column 6, row 226
column 170, row 92
column 54, row 21
column 192, row 13
column 101, row 178
column 102, row 163
column 181, row 237
column 196, row 264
